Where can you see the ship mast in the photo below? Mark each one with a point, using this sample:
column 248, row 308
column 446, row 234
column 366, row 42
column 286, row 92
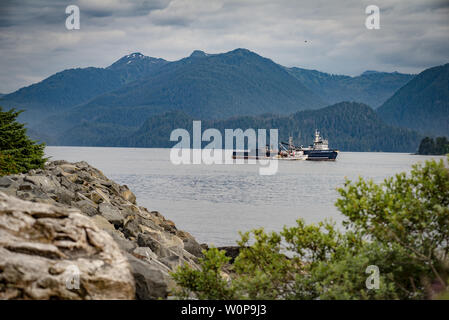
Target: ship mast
column 317, row 136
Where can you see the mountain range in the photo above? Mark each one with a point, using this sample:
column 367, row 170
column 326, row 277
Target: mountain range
column 66, row 89
column 371, row 87
column 114, row 106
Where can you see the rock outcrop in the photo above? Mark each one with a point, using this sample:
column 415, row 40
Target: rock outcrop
column 152, row 244
column 52, row 252
column 231, row 252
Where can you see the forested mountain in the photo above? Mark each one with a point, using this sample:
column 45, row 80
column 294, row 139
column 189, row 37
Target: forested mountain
column 215, row 86
column 422, row 104
column 349, row 126
column 64, row 89
column 72, row 87
column 371, row 87
column 202, row 85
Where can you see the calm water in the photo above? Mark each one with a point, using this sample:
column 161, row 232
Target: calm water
column 214, row 202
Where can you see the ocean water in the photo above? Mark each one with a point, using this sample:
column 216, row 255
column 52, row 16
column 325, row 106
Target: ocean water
column 214, row 202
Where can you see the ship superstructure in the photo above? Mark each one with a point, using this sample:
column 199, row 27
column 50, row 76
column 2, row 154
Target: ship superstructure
column 320, row 149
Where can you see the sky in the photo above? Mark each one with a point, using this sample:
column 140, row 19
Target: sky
column 325, row 35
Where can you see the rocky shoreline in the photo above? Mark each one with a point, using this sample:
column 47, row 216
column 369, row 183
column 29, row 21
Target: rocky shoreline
column 85, row 211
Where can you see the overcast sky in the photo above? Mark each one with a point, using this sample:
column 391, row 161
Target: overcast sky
column 35, row 43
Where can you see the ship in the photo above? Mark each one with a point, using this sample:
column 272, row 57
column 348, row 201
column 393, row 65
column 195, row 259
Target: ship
column 289, row 152
column 320, row 151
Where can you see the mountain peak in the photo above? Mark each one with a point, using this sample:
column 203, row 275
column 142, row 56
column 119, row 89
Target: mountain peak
column 238, row 52
column 136, row 55
column 242, row 51
column 369, row 72
column 198, row 54
column 134, row 58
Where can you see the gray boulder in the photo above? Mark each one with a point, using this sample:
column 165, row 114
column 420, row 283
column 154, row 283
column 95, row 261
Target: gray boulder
column 111, row 213
column 151, row 281
column 53, row 252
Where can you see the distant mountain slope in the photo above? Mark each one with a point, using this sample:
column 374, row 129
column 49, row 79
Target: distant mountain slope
column 203, row 85
column 349, row 127
column 72, row 87
column 65, row 89
column 371, row 87
column 216, row 86
column 422, row 104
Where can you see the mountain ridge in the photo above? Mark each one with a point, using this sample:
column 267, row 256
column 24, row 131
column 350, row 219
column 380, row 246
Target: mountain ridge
column 216, row 86
column 72, row 87
column 371, row 87
column 339, row 122
column 422, row 104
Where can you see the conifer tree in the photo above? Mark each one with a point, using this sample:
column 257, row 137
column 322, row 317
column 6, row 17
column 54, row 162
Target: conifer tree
column 18, row 153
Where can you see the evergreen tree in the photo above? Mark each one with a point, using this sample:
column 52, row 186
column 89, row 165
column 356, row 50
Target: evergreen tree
column 430, row 147
column 426, row 146
column 18, row 153
column 442, row 145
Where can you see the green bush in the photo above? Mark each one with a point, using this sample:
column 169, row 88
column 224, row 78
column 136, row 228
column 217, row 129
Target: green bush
column 18, row 153
column 401, row 226
column 208, row 282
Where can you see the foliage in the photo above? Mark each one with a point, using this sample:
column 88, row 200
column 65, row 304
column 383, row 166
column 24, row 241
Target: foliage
column 264, row 272
column 412, row 212
column 17, row 152
column 207, row 283
column 7, row 165
column 401, row 226
column 429, row 146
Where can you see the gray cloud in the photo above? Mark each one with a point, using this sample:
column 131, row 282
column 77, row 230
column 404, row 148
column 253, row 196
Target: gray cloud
column 126, row 8
column 34, row 43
